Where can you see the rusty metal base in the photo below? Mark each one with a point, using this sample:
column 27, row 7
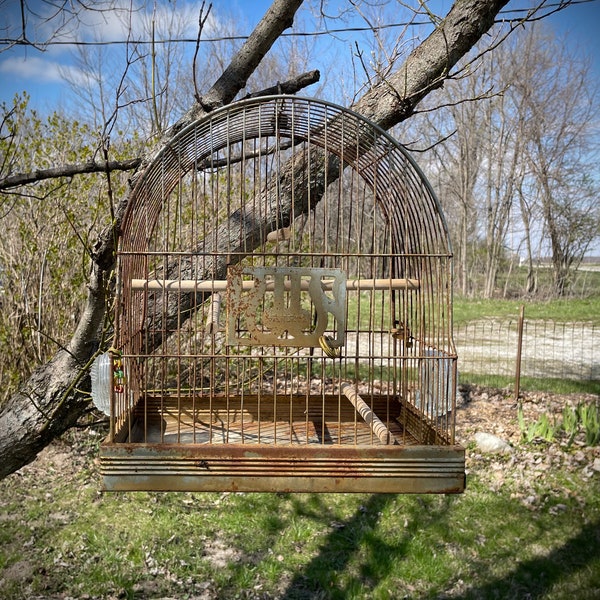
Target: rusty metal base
column 392, row 469
column 296, row 444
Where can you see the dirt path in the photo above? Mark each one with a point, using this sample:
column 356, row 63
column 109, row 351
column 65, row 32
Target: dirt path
column 565, row 350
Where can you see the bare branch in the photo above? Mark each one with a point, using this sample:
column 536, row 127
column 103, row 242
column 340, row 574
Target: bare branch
column 487, row 95
column 93, row 166
column 431, row 146
column 291, row 86
column 533, row 14
column 393, row 100
column 277, row 19
column 201, row 22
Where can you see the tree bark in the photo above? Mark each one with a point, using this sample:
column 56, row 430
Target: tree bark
column 93, row 166
column 54, row 397
column 428, row 65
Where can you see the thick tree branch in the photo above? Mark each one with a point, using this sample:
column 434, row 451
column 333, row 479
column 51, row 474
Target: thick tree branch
column 394, row 99
column 278, row 18
column 292, row 86
column 93, row 166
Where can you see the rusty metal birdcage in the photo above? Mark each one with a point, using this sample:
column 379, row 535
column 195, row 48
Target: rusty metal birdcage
column 283, row 317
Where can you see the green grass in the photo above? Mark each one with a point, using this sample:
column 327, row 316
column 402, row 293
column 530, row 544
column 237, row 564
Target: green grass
column 67, row 539
column 468, row 309
column 553, row 385
column 585, row 309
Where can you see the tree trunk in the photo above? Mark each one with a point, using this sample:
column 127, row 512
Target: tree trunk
column 531, row 283
column 54, row 397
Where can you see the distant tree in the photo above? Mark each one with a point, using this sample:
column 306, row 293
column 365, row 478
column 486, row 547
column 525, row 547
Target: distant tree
column 561, row 109
column 518, row 156
column 456, row 132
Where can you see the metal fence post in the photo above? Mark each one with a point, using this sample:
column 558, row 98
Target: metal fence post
column 519, row 351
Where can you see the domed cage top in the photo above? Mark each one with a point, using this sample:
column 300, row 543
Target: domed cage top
column 283, row 314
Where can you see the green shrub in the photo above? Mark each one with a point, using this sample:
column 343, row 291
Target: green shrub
column 584, row 419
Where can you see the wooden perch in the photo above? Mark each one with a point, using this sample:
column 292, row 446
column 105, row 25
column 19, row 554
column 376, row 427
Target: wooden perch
column 377, row 425
column 220, row 285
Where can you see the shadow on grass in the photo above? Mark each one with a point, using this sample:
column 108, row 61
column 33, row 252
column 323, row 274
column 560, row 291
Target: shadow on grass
column 354, row 559
column 534, row 578
column 319, row 578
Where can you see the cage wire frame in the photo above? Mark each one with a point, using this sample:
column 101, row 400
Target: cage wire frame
column 284, row 312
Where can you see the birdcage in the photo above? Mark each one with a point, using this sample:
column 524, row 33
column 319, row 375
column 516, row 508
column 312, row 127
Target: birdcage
column 283, row 313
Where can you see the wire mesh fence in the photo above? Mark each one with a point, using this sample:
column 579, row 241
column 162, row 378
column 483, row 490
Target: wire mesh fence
column 493, row 350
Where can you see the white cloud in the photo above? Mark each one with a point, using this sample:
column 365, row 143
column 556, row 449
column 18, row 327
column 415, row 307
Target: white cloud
column 104, row 20
column 172, row 19
column 38, row 69
column 58, row 65
column 32, row 67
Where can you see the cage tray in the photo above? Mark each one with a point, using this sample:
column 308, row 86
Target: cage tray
column 293, row 444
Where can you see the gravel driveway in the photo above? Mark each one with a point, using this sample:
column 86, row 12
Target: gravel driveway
column 549, row 349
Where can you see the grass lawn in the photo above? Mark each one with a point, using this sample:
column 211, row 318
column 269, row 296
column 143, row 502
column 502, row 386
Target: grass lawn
column 563, row 310
column 528, row 526
column 582, row 305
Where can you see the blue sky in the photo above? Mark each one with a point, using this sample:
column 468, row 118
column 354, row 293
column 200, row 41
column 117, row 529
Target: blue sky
column 41, row 73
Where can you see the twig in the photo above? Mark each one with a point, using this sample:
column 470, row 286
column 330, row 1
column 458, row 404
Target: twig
column 201, row 22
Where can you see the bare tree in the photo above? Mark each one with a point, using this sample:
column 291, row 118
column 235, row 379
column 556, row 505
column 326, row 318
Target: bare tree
column 560, row 107
column 517, row 155
column 456, row 166
column 504, row 171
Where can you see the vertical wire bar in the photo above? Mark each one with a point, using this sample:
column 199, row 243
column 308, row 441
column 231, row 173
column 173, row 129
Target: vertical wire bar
column 209, row 221
column 275, row 415
column 165, row 248
column 307, row 394
column 256, row 187
column 564, row 349
column 179, row 235
column 348, row 200
column 526, row 353
column 325, row 204
column 193, row 344
column 242, row 195
column 291, row 400
column 577, row 368
column 358, row 329
column 261, row 378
